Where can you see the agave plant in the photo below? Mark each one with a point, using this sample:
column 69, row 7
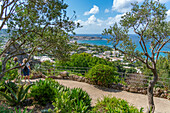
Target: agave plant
column 10, row 84
column 16, row 98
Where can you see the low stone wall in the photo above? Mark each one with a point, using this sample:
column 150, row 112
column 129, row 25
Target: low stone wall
column 158, row 92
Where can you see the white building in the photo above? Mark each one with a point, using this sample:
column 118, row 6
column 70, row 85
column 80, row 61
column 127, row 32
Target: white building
column 107, row 53
column 43, row 58
column 115, row 53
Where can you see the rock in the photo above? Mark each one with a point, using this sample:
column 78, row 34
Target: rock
column 43, row 76
column 53, row 77
column 120, row 86
column 158, row 89
column 157, row 94
column 71, row 77
column 124, row 88
column 64, row 74
column 83, row 79
column 75, row 77
column 166, row 94
column 144, row 91
column 168, row 97
column 114, row 86
column 86, row 80
column 59, row 77
column 139, row 91
column 79, row 79
column 162, row 95
column 66, row 77
column 133, row 90
column 127, row 89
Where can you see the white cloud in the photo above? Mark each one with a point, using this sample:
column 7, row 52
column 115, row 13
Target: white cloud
column 168, row 15
column 93, row 10
column 111, row 20
column 94, row 25
column 123, row 5
column 91, row 20
column 106, row 10
column 163, row 1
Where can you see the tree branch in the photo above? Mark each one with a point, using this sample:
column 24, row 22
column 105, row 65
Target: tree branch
column 160, row 49
column 13, row 41
column 2, row 74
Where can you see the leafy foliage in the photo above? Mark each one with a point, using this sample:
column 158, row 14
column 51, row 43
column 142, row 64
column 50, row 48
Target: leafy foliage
column 163, row 67
column 16, row 98
column 10, row 84
column 44, row 91
column 4, row 109
column 148, row 21
column 44, row 25
column 85, row 60
column 38, row 27
column 114, row 105
column 163, row 70
column 63, row 99
column 13, row 73
column 103, row 75
column 20, row 111
column 74, row 100
column 131, row 70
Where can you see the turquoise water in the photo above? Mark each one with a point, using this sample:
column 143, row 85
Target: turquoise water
column 105, row 42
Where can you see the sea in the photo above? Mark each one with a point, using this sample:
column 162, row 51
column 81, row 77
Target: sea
column 104, row 42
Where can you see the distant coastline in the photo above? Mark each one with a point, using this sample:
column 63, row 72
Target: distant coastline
column 87, row 38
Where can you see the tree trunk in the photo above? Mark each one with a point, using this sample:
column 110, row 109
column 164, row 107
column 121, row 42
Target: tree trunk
column 3, row 69
column 150, row 92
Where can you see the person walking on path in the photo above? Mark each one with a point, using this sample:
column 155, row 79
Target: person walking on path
column 26, row 69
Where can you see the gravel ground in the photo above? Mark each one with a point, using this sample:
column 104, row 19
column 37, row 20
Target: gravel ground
column 138, row 100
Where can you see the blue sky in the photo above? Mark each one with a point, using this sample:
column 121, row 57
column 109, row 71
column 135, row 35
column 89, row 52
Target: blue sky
column 96, row 15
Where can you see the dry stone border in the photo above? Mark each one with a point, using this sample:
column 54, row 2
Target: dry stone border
column 158, row 92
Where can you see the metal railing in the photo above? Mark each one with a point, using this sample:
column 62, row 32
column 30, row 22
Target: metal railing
column 132, row 79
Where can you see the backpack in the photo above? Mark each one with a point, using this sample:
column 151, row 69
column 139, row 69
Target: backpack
column 25, row 69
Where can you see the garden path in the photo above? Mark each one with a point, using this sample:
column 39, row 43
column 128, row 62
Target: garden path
column 138, row 100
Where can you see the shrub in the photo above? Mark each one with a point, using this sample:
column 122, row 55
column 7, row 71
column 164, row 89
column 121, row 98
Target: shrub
column 131, row 70
column 44, row 91
column 10, row 84
column 83, row 60
column 114, row 105
column 12, row 74
column 16, row 98
column 74, row 100
column 103, row 75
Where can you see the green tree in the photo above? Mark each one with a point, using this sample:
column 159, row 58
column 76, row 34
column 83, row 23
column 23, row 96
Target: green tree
column 39, row 26
column 148, row 21
column 85, row 60
column 7, row 10
column 163, row 67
